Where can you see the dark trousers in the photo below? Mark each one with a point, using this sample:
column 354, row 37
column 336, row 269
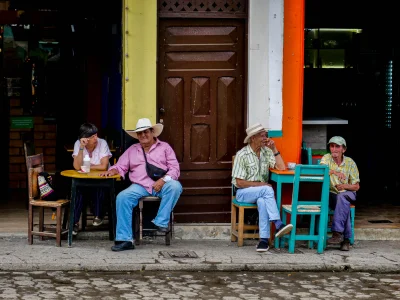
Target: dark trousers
column 95, row 198
column 341, row 218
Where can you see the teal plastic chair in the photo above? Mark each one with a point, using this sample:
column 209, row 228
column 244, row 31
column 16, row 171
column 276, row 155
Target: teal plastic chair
column 240, row 230
column 313, row 208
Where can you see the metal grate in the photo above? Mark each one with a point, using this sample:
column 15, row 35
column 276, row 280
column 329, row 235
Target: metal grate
column 380, row 221
column 185, row 6
column 179, row 254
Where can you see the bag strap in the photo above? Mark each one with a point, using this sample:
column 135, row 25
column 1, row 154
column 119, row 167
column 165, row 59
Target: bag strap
column 144, row 154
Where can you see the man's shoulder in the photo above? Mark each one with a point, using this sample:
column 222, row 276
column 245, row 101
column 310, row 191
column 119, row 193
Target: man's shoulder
column 163, row 144
column 349, row 160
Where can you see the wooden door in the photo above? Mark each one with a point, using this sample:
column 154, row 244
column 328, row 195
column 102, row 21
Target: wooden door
column 201, row 79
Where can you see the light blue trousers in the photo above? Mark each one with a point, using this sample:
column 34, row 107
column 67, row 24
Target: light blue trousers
column 266, row 205
column 129, row 198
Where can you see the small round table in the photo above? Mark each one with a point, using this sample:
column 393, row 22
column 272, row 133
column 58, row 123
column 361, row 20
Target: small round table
column 91, row 179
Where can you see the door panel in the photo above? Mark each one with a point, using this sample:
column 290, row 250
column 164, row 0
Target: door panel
column 201, row 104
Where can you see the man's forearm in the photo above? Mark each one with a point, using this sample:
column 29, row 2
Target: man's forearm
column 242, row 184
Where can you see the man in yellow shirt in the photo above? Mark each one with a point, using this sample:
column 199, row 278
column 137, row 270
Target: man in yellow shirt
column 344, row 183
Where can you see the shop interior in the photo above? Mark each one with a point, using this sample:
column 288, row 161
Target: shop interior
column 61, row 62
column 351, row 78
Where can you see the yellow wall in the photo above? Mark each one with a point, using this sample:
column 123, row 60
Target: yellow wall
column 139, row 61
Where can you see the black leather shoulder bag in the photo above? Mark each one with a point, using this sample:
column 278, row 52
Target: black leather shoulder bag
column 153, row 171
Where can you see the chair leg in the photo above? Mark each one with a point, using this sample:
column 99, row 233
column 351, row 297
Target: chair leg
column 168, row 235
column 140, row 221
column 323, row 224
column 58, row 226
column 312, row 231
column 240, row 226
column 65, row 217
column 233, row 223
column 30, row 224
column 41, row 221
column 352, row 216
column 292, row 239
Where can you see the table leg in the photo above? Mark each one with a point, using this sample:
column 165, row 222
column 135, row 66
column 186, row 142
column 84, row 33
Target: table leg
column 71, row 212
column 113, row 214
column 278, row 203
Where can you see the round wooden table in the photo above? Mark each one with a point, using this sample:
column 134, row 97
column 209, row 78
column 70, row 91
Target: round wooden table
column 91, row 179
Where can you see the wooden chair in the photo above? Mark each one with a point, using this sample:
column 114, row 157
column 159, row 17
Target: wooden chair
column 36, row 202
column 138, row 222
column 240, row 230
column 313, row 208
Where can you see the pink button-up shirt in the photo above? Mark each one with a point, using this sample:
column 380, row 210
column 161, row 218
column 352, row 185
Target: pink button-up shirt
column 132, row 161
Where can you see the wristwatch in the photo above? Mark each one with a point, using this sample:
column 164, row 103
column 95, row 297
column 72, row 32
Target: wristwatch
column 166, row 178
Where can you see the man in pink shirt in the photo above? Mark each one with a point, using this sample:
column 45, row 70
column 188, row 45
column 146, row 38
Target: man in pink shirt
column 161, row 180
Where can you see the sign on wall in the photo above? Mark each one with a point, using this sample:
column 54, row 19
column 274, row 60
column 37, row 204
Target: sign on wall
column 21, row 122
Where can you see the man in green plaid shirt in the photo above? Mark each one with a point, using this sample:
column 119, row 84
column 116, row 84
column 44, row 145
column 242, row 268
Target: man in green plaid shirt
column 250, row 176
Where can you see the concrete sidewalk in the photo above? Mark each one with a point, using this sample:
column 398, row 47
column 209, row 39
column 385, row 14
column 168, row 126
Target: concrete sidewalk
column 192, row 255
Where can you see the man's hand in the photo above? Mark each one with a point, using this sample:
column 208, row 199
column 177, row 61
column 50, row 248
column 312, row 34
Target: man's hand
column 108, row 173
column 341, row 187
column 340, row 175
column 84, row 142
column 157, row 186
column 270, row 144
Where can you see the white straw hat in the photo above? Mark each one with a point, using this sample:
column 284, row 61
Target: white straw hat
column 144, row 124
column 253, row 130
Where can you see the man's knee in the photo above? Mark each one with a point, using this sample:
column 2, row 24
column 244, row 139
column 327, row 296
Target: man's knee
column 342, row 200
column 173, row 186
column 267, row 191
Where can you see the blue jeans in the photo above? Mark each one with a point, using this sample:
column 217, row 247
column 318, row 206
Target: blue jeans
column 129, row 198
column 266, row 205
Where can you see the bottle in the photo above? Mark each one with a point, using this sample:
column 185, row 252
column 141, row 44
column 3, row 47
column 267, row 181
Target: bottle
column 86, row 164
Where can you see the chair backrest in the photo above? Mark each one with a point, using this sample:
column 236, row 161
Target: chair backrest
column 233, row 188
column 34, row 160
column 33, row 186
column 311, row 173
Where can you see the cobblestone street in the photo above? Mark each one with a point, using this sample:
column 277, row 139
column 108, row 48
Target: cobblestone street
column 198, row 285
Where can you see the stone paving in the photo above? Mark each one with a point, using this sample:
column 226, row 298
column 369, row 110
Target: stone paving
column 198, row 285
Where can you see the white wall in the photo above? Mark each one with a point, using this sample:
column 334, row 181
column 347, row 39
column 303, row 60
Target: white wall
column 265, row 63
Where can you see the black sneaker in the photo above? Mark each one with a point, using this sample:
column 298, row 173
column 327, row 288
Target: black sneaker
column 284, row 229
column 262, row 246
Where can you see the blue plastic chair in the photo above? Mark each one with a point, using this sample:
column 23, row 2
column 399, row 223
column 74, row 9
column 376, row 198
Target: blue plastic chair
column 313, row 208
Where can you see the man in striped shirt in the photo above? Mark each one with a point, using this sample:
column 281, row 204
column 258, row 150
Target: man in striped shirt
column 250, row 176
column 344, row 183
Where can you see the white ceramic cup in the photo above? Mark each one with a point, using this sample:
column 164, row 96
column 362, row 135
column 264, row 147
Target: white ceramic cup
column 291, row 165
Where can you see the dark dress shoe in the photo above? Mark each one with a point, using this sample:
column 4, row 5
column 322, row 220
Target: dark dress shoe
column 336, row 238
column 159, row 228
column 127, row 245
column 345, row 245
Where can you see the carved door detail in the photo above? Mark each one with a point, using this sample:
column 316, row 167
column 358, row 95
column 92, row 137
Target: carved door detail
column 201, row 103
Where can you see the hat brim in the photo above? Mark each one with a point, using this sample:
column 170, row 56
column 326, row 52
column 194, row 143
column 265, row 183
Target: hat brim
column 247, row 138
column 158, row 128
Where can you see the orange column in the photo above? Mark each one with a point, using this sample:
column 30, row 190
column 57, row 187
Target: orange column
column 292, row 93
column 293, row 77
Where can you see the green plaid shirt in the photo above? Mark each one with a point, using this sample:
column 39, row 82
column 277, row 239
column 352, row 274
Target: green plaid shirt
column 348, row 167
column 248, row 167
